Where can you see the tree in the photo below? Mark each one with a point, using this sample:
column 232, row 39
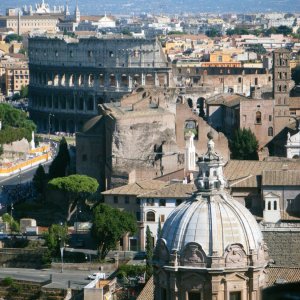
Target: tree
column 24, row 91
column 244, row 145
column 109, row 226
column 14, row 225
column 149, row 253
column 13, row 37
column 56, row 236
column 212, row 32
column 58, row 167
column 15, row 125
column 296, row 74
column 159, row 230
column 76, row 188
column 39, row 180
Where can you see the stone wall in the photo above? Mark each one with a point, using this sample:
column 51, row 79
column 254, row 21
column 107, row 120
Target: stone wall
column 283, row 246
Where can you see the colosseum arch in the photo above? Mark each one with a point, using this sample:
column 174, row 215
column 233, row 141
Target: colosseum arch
column 91, row 80
column 101, row 79
column 71, row 126
column 63, row 80
column 136, row 80
column 90, row 103
column 124, row 80
column 80, row 80
column 112, row 80
column 56, row 79
column 71, row 80
column 150, row 80
column 80, row 103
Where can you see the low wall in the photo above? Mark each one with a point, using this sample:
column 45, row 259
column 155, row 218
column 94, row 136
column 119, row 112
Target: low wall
column 6, row 171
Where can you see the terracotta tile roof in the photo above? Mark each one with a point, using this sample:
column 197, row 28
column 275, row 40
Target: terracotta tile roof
column 285, row 216
column 281, row 177
column 248, row 173
column 175, row 190
column 283, row 273
column 137, row 188
column 147, row 292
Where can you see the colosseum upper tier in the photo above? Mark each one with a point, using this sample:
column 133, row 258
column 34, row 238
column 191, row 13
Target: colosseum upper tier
column 69, row 77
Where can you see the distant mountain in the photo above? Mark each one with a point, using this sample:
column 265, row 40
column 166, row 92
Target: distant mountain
column 167, row 6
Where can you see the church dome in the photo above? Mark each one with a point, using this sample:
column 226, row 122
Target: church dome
column 211, row 228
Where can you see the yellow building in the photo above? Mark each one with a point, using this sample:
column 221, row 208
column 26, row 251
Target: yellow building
column 16, row 77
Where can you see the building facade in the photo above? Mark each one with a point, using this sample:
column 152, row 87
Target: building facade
column 211, row 246
column 70, row 77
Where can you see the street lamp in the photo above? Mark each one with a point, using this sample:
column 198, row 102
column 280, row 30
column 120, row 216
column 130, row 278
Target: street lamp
column 11, row 215
column 62, row 246
column 49, row 124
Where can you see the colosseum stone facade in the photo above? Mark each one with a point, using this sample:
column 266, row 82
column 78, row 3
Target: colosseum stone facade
column 69, row 77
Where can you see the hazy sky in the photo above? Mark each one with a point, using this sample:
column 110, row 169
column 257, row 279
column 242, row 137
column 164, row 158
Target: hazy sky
column 172, row 6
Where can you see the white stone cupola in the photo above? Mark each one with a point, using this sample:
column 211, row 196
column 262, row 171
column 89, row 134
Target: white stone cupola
column 210, row 176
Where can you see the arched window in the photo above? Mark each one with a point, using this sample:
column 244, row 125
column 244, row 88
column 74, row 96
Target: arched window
column 150, row 216
column 270, row 131
column 258, row 117
column 269, row 205
column 275, row 205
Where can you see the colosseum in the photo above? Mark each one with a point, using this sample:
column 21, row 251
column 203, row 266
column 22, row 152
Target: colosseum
column 69, row 77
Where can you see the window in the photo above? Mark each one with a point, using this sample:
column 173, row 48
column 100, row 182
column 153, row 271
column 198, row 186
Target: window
column 162, row 202
column 90, row 53
column 111, row 54
column 207, row 173
column 275, row 205
column 235, row 296
column 71, row 53
column 270, row 118
column 215, row 173
column 138, row 201
column 256, row 81
column 162, row 218
column 240, row 79
column 269, row 205
column 116, row 199
column 126, row 199
column 150, row 216
column 258, row 117
column 178, row 202
column 150, row 202
column 270, row 131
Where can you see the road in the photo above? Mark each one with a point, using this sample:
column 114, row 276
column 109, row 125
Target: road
column 76, row 278
column 22, row 177
column 15, row 179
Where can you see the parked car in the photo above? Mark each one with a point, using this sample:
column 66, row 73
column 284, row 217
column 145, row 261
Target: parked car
column 97, row 275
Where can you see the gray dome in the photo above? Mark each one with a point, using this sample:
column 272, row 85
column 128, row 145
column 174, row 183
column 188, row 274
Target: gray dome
column 214, row 221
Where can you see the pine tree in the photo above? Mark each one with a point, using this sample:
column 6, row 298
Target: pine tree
column 39, row 180
column 244, row 145
column 159, row 230
column 59, row 166
column 149, row 253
